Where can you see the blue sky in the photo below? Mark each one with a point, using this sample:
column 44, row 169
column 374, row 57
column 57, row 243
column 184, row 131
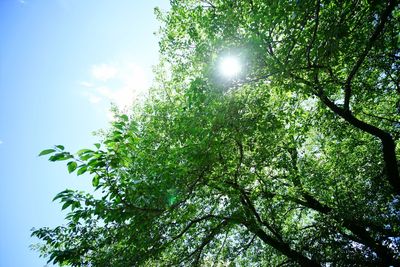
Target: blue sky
column 61, row 64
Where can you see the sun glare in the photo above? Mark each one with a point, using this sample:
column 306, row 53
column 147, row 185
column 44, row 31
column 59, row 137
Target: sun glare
column 230, row 67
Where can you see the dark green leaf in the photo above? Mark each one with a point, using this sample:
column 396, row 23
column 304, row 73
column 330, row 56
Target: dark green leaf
column 67, row 204
column 60, row 156
column 72, row 165
column 124, row 117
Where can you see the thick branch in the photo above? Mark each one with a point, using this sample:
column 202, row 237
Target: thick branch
column 388, row 145
column 282, row 247
column 357, row 228
column 349, row 223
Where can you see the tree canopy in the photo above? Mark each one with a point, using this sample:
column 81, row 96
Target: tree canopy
column 292, row 162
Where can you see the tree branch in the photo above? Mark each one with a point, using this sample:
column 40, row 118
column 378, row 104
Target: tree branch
column 375, row 35
column 282, row 247
column 199, row 250
column 314, row 35
column 388, row 145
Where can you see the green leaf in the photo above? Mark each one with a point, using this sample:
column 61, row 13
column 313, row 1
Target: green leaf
column 119, row 126
column 46, row 151
column 76, row 205
column 95, row 162
column 124, row 117
column 62, row 194
column 83, row 151
column 82, row 170
column 67, row 204
column 97, row 145
column 72, row 165
column 60, row 147
column 95, row 181
column 60, row 156
column 86, row 156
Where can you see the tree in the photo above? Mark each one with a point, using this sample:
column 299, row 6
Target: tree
column 292, row 163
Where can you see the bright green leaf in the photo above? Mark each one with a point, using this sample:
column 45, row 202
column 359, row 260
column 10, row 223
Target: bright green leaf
column 46, row 151
column 83, row 151
column 82, row 170
column 95, row 181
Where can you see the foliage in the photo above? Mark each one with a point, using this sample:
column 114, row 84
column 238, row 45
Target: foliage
column 292, row 163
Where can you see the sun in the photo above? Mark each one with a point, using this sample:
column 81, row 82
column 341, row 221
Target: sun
column 230, row 66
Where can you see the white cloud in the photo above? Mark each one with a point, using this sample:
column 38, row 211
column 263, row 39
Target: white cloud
column 120, row 84
column 122, row 97
column 1, row 142
column 103, row 72
column 135, row 78
column 86, row 84
column 93, row 98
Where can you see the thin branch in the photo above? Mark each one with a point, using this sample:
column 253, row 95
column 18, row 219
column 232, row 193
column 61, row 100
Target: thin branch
column 241, row 156
column 208, row 3
column 317, row 9
column 220, row 249
column 188, row 226
column 375, row 35
column 283, row 263
column 380, row 117
column 199, row 250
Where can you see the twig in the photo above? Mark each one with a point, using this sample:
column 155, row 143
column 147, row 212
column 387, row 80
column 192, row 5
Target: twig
column 375, row 35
